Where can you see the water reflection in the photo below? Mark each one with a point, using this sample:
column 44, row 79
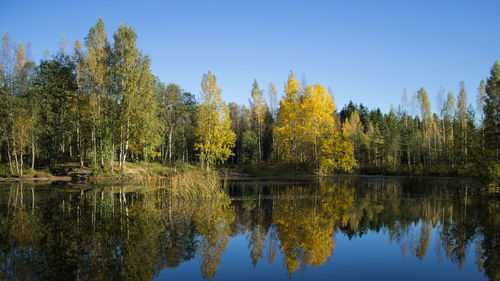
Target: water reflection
column 108, row 233
column 306, row 224
column 124, row 232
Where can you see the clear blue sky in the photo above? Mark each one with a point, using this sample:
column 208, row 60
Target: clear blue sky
column 366, row 51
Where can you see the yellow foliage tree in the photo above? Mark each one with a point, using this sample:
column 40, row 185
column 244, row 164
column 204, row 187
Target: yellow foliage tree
column 214, row 134
column 306, row 130
column 337, row 152
column 286, row 132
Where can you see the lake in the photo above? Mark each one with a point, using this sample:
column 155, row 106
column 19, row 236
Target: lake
column 339, row 228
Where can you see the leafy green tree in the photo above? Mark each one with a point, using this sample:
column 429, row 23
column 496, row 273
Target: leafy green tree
column 56, row 84
column 97, row 80
column 240, row 123
column 134, row 87
column 492, row 122
column 355, row 132
column 258, row 109
column 24, row 94
column 24, row 102
column 188, row 126
column 6, row 100
column 481, row 102
column 462, row 119
column 425, row 114
column 492, row 111
column 146, row 126
column 126, row 83
column 80, row 101
column 172, row 111
column 249, row 145
column 392, row 140
column 21, row 130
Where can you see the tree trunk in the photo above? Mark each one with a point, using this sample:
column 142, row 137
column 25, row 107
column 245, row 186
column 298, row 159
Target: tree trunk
column 429, row 149
column 121, row 148
column 408, row 156
column 162, row 148
column 452, row 147
column 84, row 152
column 444, row 143
column 316, row 154
column 79, row 145
column 102, row 154
column 15, row 157
column 482, row 134
column 32, row 153
column 465, row 133
column 124, row 158
column 436, row 142
column 21, row 164
column 274, row 148
column 260, row 145
column 170, row 144
column 94, row 145
column 8, row 156
column 112, row 156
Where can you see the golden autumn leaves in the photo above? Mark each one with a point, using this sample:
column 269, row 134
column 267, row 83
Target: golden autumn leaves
column 215, row 137
column 306, row 130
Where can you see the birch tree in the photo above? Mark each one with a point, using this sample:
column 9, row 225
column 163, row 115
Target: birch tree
column 97, row 80
column 214, row 134
column 258, row 108
column 125, row 75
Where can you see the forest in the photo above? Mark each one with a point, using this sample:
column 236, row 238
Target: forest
column 99, row 104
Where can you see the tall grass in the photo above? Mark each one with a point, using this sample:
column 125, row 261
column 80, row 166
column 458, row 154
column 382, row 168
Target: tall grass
column 185, row 181
column 196, row 184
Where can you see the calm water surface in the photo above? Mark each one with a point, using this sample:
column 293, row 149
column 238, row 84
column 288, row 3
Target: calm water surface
column 345, row 228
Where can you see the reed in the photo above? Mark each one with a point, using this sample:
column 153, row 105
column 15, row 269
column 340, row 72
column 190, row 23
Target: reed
column 196, row 184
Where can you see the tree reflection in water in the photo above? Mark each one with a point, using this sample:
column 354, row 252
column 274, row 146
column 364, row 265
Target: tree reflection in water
column 306, row 224
column 122, row 232
column 109, row 233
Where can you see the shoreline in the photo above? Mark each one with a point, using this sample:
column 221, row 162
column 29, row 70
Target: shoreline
column 231, row 175
column 137, row 172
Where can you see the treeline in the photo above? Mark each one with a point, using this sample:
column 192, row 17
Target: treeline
column 304, row 129
column 458, row 140
column 100, row 104
column 95, row 105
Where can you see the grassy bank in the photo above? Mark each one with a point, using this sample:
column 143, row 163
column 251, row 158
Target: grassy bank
column 180, row 180
column 141, row 172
